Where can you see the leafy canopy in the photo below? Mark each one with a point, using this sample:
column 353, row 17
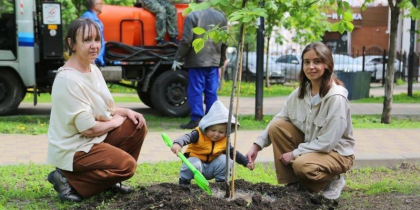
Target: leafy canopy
column 304, row 17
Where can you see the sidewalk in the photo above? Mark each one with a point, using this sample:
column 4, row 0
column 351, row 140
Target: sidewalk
column 374, row 147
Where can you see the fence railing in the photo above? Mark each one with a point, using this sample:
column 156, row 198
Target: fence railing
column 285, row 61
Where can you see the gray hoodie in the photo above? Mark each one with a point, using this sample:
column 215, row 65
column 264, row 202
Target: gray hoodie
column 217, row 114
column 327, row 125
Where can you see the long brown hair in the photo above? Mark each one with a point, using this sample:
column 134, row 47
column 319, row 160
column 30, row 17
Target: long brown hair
column 328, row 77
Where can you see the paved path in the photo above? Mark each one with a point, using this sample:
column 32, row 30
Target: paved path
column 271, row 105
column 374, row 147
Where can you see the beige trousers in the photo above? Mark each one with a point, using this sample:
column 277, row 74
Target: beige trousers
column 313, row 170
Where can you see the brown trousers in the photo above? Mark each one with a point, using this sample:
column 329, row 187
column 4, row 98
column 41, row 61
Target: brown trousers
column 112, row 161
column 313, row 170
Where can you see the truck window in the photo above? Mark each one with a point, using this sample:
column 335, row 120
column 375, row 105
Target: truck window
column 7, row 30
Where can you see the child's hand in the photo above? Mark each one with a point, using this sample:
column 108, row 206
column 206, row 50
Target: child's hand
column 250, row 165
column 176, row 148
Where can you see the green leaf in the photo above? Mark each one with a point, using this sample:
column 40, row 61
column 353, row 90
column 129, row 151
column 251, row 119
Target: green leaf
column 224, row 2
column 193, row 6
column 414, row 13
column 198, row 44
column 186, row 11
column 346, row 5
column 247, row 19
column 406, row 5
column 199, row 30
column 340, row 3
column 349, row 26
column 271, row 5
column 214, row 35
column 347, row 16
column 339, row 11
column 341, row 27
column 235, row 16
column 334, row 26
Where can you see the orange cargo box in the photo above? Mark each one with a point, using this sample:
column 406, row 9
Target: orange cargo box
column 134, row 26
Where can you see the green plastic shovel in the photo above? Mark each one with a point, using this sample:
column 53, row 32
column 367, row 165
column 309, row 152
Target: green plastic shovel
column 199, row 178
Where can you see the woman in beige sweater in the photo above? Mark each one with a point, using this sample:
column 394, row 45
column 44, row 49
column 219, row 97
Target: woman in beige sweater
column 93, row 144
column 312, row 136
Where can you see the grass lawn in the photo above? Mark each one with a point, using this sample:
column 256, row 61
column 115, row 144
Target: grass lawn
column 247, row 90
column 26, row 187
column 30, row 124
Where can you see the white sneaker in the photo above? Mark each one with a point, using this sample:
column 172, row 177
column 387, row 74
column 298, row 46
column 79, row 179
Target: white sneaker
column 333, row 189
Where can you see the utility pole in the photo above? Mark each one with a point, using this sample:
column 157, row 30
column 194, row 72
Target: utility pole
column 260, row 70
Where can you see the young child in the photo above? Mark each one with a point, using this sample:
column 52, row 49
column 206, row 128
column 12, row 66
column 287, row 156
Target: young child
column 207, row 146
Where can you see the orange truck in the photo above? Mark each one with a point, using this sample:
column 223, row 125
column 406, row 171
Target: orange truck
column 31, row 51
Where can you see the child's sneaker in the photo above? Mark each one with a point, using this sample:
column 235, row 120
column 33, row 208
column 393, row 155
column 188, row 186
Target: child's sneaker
column 333, row 189
column 184, row 184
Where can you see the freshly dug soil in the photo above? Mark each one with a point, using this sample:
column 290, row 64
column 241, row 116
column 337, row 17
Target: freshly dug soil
column 247, row 196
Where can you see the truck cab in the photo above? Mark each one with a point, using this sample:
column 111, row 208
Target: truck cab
column 32, row 49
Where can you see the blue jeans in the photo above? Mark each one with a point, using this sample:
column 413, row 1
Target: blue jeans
column 203, row 80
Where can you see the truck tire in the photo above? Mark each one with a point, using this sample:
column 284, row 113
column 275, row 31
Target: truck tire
column 144, row 96
column 169, row 93
column 11, row 92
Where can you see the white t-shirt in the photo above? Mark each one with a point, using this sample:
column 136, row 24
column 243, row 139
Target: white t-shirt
column 78, row 101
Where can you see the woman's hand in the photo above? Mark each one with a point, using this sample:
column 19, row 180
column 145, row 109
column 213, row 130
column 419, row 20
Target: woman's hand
column 176, row 148
column 287, row 158
column 118, row 120
column 252, row 155
column 136, row 117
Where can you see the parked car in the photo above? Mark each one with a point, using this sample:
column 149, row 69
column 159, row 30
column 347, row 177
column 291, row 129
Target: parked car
column 276, row 75
column 374, row 64
column 346, row 63
column 291, row 64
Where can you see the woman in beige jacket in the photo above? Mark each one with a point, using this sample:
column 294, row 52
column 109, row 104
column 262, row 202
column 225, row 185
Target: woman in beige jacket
column 94, row 144
column 312, row 136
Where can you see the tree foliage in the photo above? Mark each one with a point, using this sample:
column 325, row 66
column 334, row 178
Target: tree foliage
column 304, row 17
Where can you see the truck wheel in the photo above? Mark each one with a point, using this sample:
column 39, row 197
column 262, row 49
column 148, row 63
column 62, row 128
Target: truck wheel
column 11, row 92
column 169, row 93
column 144, row 96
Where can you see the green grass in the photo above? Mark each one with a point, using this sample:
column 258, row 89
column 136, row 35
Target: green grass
column 130, row 94
column 248, row 89
column 46, row 98
column 380, row 180
column 115, row 88
column 374, row 121
column 125, row 94
column 29, row 124
column 26, row 186
column 398, row 98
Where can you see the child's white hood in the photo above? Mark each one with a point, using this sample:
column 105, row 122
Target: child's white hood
column 217, row 114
